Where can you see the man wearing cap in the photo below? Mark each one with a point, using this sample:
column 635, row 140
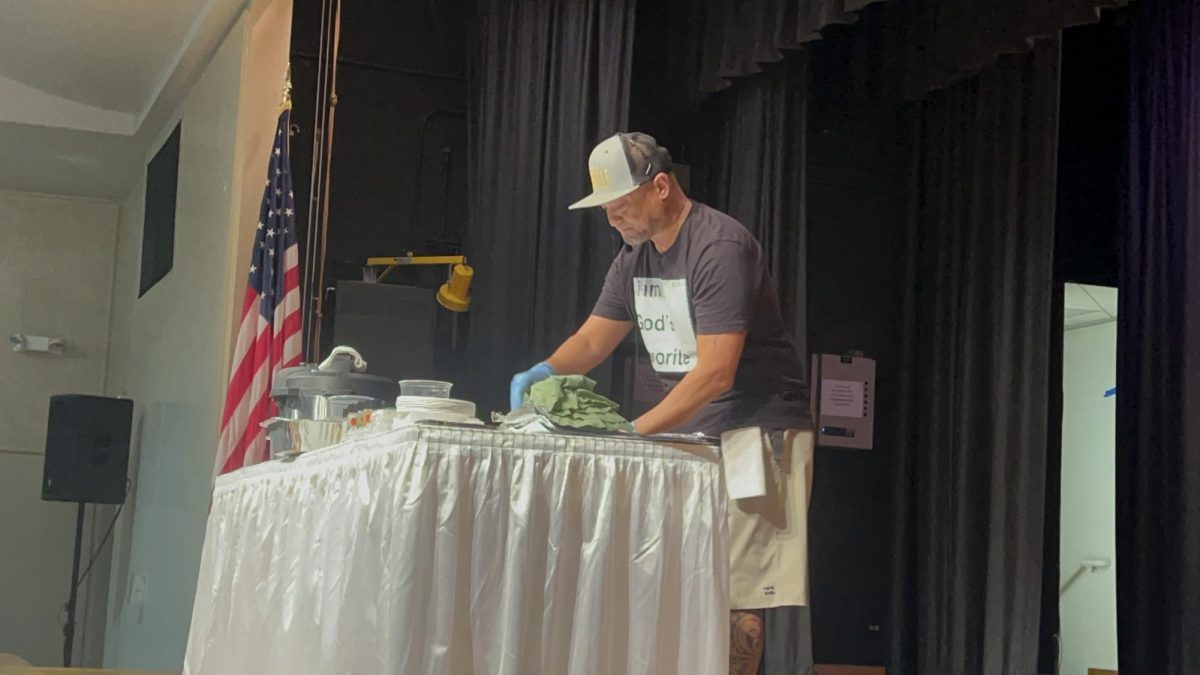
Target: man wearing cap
column 694, row 282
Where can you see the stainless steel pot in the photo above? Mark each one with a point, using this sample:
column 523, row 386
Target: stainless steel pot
column 332, row 389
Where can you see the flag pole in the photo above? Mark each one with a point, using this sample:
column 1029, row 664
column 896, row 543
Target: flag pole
column 317, row 227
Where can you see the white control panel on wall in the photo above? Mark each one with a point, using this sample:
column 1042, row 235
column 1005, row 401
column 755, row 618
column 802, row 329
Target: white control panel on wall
column 844, row 388
column 36, row 343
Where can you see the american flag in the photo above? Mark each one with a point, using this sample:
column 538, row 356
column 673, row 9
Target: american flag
column 269, row 338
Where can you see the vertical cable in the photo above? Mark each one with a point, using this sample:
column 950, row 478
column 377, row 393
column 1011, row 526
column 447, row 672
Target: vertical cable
column 316, row 240
column 327, row 160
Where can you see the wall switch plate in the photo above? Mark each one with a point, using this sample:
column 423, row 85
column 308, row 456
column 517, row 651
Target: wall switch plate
column 137, row 595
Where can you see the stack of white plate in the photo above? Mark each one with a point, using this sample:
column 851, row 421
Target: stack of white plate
column 418, row 408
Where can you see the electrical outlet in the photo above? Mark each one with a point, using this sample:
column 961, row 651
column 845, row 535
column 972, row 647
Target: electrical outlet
column 137, row 596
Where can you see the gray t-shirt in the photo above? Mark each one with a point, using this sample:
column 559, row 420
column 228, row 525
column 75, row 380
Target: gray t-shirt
column 712, row 280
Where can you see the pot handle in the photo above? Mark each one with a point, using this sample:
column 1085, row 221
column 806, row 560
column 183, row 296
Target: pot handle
column 343, row 359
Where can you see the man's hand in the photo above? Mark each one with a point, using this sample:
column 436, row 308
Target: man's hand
column 521, row 383
column 582, row 352
column 716, row 365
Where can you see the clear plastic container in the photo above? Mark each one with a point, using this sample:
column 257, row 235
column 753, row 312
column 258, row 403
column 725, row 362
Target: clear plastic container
column 427, row 388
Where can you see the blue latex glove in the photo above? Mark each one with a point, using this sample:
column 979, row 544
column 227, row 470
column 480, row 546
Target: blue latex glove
column 521, row 383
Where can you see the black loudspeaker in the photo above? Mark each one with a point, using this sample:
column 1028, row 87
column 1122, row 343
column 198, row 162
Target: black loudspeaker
column 393, row 327
column 87, row 449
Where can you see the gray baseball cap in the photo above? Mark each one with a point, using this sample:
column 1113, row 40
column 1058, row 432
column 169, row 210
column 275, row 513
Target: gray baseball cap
column 620, row 163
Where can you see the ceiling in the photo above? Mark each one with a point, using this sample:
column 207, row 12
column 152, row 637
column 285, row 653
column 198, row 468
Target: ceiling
column 1086, row 306
column 82, row 80
column 111, row 55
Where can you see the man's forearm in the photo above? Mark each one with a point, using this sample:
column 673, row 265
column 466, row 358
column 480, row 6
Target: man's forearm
column 696, row 390
column 576, row 356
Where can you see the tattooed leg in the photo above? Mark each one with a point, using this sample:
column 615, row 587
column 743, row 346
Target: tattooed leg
column 745, row 641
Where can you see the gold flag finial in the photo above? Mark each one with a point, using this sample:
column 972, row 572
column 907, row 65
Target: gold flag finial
column 287, row 88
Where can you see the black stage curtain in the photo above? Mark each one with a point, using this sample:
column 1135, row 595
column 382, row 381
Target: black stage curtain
column 756, row 173
column 950, row 40
column 712, row 43
column 1158, row 352
column 971, row 479
column 729, row 39
column 550, row 80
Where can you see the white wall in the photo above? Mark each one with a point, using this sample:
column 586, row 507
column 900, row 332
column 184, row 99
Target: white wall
column 166, row 347
column 69, row 267
column 170, row 348
column 1088, row 609
column 56, row 269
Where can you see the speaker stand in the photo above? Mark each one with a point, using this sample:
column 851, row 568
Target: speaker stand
column 69, row 626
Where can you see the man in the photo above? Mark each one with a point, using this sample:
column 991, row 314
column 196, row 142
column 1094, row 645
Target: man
column 694, row 282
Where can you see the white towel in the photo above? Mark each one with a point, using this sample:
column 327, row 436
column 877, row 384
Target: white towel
column 742, row 455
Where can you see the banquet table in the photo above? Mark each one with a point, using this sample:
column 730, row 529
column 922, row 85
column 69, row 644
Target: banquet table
column 434, row 549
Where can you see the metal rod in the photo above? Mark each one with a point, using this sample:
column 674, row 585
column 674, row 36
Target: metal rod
column 327, row 159
column 414, row 72
column 454, row 332
column 420, row 161
column 417, row 260
column 1071, row 580
column 386, row 271
column 69, row 626
column 309, row 273
column 445, row 188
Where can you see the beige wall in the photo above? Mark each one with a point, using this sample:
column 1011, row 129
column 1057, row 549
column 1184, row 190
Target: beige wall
column 69, row 267
column 165, row 351
column 170, row 348
column 1088, row 609
column 56, row 269
column 264, row 67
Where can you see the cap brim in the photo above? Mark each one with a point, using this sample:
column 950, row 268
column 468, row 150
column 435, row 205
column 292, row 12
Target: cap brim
column 598, row 198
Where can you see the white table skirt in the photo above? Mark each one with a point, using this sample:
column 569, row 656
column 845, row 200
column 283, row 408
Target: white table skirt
column 430, row 550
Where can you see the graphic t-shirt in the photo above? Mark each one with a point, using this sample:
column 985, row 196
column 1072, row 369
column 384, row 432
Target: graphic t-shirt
column 712, row 280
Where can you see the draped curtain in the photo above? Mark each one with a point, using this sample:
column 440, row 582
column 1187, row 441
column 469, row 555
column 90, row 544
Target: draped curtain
column 756, row 173
column 550, row 80
column 1158, row 349
column 971, row 477
column 709, row 44
column 715, row 42
column 950, row 40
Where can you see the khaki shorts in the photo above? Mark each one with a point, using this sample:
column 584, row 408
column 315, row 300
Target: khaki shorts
column 768, row 535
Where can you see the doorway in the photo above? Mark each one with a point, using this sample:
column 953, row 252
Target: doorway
column 1087, row 536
